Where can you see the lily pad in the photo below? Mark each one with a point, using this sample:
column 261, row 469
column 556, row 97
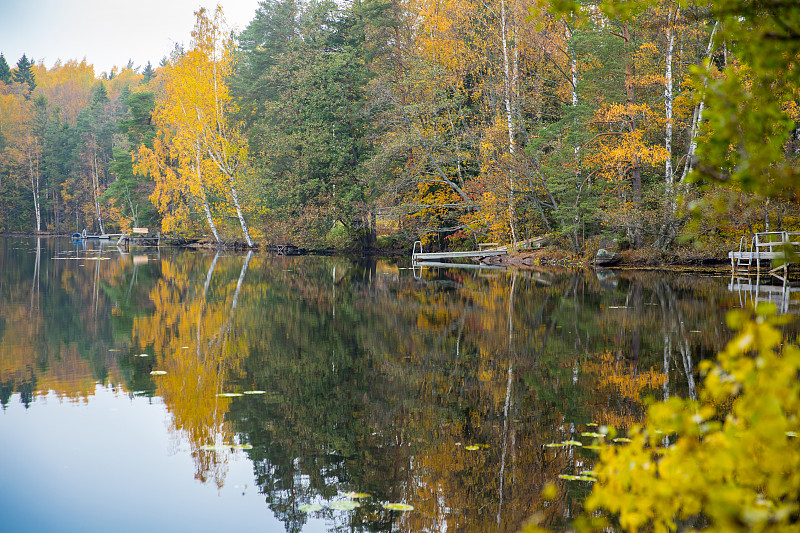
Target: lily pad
column 592, row 434
column 472, row 448
column 791, row 434
column 398, row 507
column 226, row 447
column 157, row 372
column 591, row 425
column 214, row 448
column 563, row 444
column 310, row 508
column 577, row 478
column 621, row 439
column 230, row 394
column 254, row 392
column 344, row 505
column 357, row 495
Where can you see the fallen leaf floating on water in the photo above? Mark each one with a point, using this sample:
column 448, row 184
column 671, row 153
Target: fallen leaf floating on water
column 344, row 505
column 591, row 425
column 157, row 372
column 622, row 439
column 398, row 507
column 577, row 478
column 254, row 392
column 472, row 448
column 230, row 394
column 357, row 495
column 310, row 508
column 592, row 434
column 791, row 434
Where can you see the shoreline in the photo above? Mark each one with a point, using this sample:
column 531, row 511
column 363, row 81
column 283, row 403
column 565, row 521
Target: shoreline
column 548, row 256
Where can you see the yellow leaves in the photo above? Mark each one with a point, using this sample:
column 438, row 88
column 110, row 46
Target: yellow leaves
column 615, row 154
column 733, row 448
column 197, row 152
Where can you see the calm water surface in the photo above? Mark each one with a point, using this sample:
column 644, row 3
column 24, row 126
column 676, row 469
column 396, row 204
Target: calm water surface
column 181, row 390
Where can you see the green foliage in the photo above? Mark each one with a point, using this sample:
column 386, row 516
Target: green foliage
column 23, row 74
column 301, row 82
column 5, row 70
column 750, row 115
column 728, row 460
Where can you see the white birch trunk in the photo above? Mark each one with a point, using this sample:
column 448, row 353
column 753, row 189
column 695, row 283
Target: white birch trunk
column 96, row 191
column 33, row 173
column 698, row 115
column 206, row 207
column 239, row 214
column 509, row 119
column 668, row 105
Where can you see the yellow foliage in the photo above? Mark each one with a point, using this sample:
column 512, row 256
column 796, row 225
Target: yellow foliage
column 732, row 457
column 197, row 153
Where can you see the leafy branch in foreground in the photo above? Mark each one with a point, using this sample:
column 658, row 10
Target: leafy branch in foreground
column 729, row 461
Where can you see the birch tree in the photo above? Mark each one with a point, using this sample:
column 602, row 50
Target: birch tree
column 198, row 152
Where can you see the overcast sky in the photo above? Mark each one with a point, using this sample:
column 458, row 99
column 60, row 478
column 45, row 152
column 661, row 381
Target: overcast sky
column 105, row 32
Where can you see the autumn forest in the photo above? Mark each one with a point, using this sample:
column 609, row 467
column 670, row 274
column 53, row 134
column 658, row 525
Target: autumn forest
column 378, row 122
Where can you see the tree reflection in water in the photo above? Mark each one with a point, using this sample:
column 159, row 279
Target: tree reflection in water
column 440, row 393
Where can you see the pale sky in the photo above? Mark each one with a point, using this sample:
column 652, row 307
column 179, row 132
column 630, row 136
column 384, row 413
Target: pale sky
column 105, row 32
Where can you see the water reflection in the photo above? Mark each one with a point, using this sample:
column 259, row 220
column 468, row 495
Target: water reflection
column 335, row 376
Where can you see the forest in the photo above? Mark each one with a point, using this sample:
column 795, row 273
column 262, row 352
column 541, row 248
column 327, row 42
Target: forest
column 374, row 123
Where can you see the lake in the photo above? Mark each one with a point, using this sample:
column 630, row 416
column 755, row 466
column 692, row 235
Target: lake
column 188, row 390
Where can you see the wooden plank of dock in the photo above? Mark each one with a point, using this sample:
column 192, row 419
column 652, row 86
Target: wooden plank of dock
column 454, row 255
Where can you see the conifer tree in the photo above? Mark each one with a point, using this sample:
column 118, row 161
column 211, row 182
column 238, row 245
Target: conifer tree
column 5, row 70
column 24, row 74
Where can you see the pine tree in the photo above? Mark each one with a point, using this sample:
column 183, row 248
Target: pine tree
column 5, row 70
column 24, row 74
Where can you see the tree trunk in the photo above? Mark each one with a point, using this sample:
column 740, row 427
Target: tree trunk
column 239, row 214
column 33, row 171
column 668, row 103
column 96, row 191
column 698, row 114
column 636, row 174
column 509, row 119
column 206, row 207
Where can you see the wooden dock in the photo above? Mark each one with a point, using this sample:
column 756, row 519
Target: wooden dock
column 141, row 237
column 753, row 293
column 103, row 236
column 771, row 246
column 419, row 256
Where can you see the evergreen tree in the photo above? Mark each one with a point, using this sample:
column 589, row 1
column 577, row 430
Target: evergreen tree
column 24, row 74
column 306, row 126
column 5, row 70
column 148, row 72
